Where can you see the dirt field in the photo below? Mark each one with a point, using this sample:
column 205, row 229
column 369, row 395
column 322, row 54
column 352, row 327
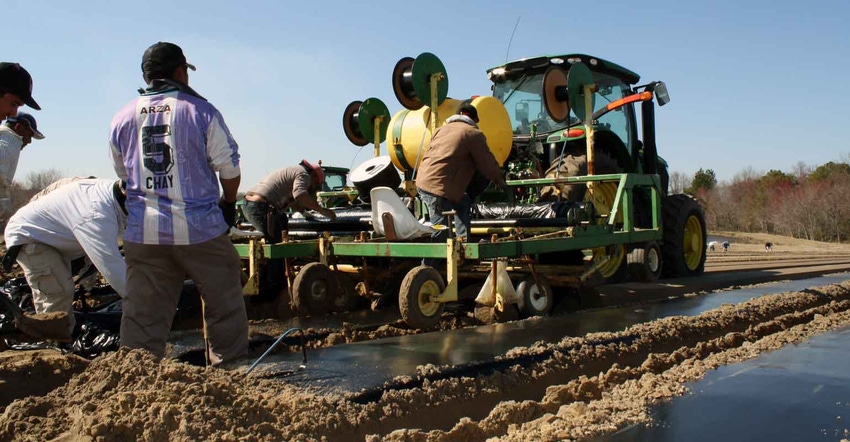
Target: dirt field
column 577, row 388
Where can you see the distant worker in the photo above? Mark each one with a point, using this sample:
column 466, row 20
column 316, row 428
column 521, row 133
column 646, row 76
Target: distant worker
column 15, row 89
column 81, row 218
column 169, row 144
column 15, row 134
column 291, row 187
column 457, row 150
column 768, row 247
column 725, row 245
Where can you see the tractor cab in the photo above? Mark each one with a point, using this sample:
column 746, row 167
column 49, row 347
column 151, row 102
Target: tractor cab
column 520, row 86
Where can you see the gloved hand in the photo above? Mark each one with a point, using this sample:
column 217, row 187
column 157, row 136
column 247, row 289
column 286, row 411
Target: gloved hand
column 329, row 213
column 229, row 212
column 10, row 257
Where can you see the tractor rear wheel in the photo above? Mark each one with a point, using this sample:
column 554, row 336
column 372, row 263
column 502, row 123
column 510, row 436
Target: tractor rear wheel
column 314, row 289
column 683, row 251
column 645, row 262
column 414, row 297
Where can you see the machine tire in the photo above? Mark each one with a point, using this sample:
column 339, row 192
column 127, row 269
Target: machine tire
column 413, row 303
column 683, row 252
column 346, row 297
column 489, row 315
column 615, row 271
column 535, row 300
column 314, row 289
column 645, row 262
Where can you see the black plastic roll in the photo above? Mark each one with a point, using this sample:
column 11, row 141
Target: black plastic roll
column 377, row 172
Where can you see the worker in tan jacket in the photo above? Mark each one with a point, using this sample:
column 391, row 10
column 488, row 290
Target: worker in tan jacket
column 457, row 150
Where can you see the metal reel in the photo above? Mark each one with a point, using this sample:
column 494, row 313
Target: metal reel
column 535, row 299
column 412, row 81
column 578, row 77
column 555, row 98
column 314, row 289
column 358, row 121
column 414, row 301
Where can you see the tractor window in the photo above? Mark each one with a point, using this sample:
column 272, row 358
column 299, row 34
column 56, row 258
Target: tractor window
column 523, row 99
column 524, row 103
column 610, row 89
column 333, row 182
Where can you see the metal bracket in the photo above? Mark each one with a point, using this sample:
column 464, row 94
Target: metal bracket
column 255, row 258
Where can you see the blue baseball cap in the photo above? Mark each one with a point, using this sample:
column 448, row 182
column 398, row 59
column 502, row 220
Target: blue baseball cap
column 29, row 121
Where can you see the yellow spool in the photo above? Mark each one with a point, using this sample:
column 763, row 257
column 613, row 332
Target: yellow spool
column 404, row 134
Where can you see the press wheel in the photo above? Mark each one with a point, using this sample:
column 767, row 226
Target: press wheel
column 536, row 298
column 314, row 289
column 414, row 302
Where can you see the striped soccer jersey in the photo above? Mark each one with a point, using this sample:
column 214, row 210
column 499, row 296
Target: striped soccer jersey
column 169, row 146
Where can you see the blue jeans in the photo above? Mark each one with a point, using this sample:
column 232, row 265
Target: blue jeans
column 437, row 205
column 266, row 219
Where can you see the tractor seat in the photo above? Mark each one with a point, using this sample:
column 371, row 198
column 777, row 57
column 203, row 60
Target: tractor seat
column 391, row 218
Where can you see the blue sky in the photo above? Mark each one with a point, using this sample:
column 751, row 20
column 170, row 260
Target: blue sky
column 754, row 84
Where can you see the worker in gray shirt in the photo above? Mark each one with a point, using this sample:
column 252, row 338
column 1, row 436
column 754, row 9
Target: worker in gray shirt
column 291, row 187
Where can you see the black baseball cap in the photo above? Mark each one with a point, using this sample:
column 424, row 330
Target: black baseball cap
column 468, row 109
column 15, row 79
column 29, row 121
column 163, row 57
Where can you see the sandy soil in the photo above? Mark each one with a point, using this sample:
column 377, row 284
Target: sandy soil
column 576, row 388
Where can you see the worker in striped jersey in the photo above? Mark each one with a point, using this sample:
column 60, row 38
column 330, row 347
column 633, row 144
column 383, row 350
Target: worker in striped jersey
column 173, row 148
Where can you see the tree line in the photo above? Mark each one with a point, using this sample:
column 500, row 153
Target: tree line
column 809, row 203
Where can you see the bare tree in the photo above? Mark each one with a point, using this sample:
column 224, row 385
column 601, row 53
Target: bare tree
column 747, row 174
column 679, row 182
column 36, row 181
column 802, row 170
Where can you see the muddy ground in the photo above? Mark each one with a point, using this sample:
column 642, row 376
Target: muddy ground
column 576, row 388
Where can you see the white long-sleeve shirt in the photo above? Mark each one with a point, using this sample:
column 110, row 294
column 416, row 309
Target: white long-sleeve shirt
column 10, row 153
column 77, row 219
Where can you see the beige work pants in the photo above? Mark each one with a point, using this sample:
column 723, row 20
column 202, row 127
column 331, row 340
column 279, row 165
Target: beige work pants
column 155, row 275
column 49, row 277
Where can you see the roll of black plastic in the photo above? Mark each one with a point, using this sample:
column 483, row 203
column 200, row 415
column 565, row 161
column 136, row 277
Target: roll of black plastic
column 377, row 172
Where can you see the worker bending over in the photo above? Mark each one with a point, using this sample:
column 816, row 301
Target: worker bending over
column 80, row 218
column 291, row 187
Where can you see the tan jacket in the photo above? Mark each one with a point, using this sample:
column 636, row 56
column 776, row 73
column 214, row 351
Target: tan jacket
column 457, row 149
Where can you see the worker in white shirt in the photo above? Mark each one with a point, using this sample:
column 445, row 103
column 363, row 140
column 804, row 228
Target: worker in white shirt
column 15, row 134
column 81, row 218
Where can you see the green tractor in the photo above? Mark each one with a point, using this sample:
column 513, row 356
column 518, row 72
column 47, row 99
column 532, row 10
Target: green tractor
column 587, row 199
column 546, row 106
